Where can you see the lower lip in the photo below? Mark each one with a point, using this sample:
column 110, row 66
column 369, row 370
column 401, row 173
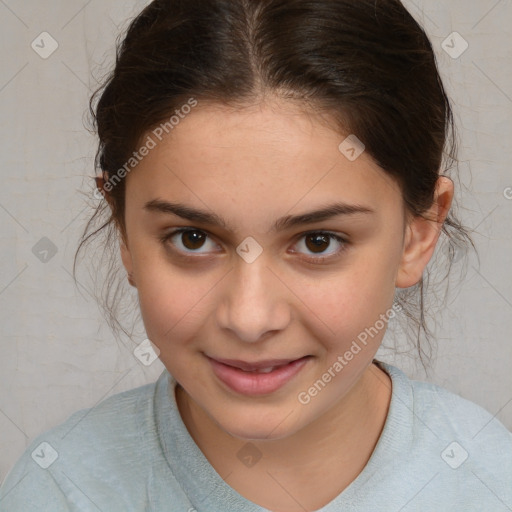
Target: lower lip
column 253, row 383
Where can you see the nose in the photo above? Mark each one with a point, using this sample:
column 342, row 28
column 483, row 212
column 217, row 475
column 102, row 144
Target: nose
column 254, row 303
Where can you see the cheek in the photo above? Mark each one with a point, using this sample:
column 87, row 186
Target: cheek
column 172, row 313
column 351, row 303
column 173, row 302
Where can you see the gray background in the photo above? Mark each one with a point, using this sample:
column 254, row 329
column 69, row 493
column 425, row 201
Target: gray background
column 58, row 354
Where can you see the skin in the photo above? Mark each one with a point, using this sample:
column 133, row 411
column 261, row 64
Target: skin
column 251, row 166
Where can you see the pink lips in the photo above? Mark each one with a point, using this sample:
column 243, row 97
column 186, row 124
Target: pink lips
column 258, row 378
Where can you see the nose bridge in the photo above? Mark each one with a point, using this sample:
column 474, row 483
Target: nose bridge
column 253, row 303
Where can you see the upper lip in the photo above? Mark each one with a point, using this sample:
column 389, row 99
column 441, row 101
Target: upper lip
column 256, row 365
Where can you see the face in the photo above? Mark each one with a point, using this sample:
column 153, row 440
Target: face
column 240, row 272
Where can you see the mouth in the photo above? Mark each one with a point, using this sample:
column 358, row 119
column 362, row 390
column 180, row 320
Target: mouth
column 258, row 377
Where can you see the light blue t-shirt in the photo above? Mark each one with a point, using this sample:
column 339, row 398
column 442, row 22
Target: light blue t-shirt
column 132, row 452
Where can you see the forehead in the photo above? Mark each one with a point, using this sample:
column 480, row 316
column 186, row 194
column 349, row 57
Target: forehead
column 276, row 153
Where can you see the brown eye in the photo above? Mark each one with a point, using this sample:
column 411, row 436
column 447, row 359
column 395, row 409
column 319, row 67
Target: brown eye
column 188, row 241
column 317, row 242
column 193, row 239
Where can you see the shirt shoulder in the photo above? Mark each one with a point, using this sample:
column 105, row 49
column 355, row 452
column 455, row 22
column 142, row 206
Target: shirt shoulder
column 94, row 448
column 458, row 416
column 434, row 406
column 452, row 452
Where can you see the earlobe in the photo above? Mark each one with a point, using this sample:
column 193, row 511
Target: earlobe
column 131, row 280
column 419, row 244
column 125, row 253
column 127, row 261
column 422, row 234
column 101, row 181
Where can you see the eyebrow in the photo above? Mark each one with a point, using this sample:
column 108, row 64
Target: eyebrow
column 281, row 224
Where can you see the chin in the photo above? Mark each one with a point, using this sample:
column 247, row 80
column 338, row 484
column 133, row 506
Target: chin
column 260, row 428
column 252, row 434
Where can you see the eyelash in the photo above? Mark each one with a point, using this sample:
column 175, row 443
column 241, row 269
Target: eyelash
column 311, row 259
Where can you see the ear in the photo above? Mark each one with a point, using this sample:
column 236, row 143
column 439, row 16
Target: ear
column 422, row 234
column 101, row 181
column 125, row 252
column 126, row 257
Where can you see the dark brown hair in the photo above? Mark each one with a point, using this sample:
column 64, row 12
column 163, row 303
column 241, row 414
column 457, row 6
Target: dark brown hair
column 367, row 64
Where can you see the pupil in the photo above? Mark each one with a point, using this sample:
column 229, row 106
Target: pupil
column 195, row 238
column 317, row 240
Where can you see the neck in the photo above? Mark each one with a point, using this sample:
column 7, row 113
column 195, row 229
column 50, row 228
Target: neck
column 328, row 454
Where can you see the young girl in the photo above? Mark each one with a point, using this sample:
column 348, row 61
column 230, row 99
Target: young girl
column 274, row 171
